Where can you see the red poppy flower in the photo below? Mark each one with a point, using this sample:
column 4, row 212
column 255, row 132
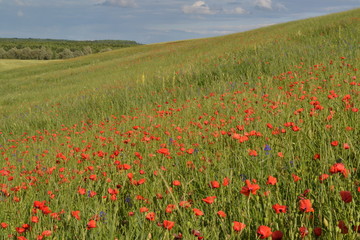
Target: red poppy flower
column 346, row 146
column 238, row 226
column 356, row 228
column 226, row 181
column 164, row 151
column 46, row 233
column 82, row 191
column 252, row 153
column 170, row 208
column 34, row 219
column 305, row 205
column 249, row 188
column 185, row 204
column 343, row 227
column 264, row 232
column 271, row 180
column 4, row 225
column 295, row 177
column 346, row 196
column 91, row 224
column 168, row 224
column 38, row 204
column 277, row 235
column 221, row 214
column 334, row 143
column 198, row 212
column 150, row 216
column 214, row 184
column 323, row 177
column 317, row 231
column 76, row 214
column 339, row 168
column 209, row 200
column 143, row 209
column 303, row 232
column 279, row 208
column 176, row 183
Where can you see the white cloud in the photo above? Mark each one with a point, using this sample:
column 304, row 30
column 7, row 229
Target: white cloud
column 237, row 10
column 20, row 3
column 119, row 3
column 270, row 5
column 267, row 4
column 199, row 7
column 20, row 13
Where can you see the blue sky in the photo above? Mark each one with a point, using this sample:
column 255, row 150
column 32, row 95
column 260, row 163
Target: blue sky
column 152, row 21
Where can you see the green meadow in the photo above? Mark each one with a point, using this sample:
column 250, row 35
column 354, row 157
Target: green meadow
column 252, row 135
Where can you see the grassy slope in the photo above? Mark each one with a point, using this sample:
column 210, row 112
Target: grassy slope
column 30, row 88
column 10, row 64
column 281, row 101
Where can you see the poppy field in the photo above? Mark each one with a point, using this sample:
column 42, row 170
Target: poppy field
column 248, row 136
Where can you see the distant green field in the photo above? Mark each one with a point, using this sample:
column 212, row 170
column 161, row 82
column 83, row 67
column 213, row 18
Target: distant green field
column 8, row 64
column 252, row 135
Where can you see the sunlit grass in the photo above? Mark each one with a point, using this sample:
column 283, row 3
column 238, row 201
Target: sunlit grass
column 159, row 128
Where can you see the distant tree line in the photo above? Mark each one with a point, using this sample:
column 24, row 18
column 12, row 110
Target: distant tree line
column 47, row 49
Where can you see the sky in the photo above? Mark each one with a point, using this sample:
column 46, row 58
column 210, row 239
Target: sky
column 152, row 21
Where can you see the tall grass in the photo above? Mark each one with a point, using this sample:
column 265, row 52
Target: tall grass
column 280, row 101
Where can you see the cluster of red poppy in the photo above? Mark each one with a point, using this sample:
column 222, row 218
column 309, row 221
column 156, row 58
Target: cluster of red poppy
column 143, row 159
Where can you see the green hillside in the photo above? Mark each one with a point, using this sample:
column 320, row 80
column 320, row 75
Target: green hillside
column 252, row 135
column 206, row 63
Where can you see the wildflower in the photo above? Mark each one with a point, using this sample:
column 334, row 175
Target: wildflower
column 91, row 224
column 198, row 212
column 339, row 168
column 343, row 227
column 346, row 196
column 150, row 216
column 143, row 209
column 295, row 177
column 238, row 226
column 46, row 233
column 252, row 153
column 226, row 181
column 303, row 231
column 176, row 183
column 34, row 219
column 214, row 184
column 4, row 225
column 264, row 232
column 279, row 208
column 170, row 208
column 267, row 148
column 164, row 151
column 323, row 177
column 305, row 205
column 277, row 235
column 76, row 214
column 209, row 200
column 221, row 214
column 168, row 224
column 271, row 180
column 317, row 231
column 249, row 188
column 185, row 204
